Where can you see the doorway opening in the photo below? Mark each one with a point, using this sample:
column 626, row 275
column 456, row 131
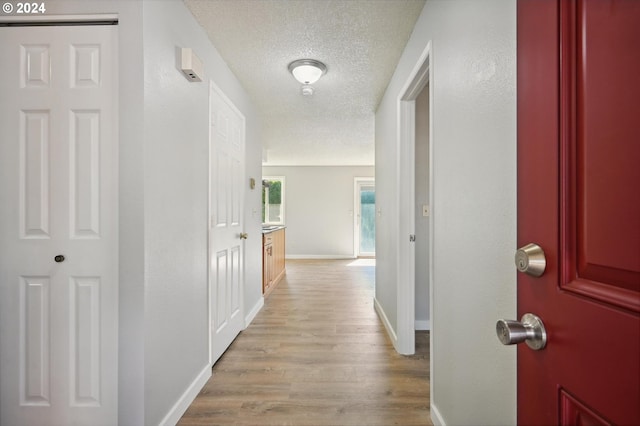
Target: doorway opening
column 408, row 143
column 423, row 210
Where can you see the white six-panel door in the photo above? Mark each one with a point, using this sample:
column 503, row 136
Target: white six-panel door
column 226, row 195
column 58, row 197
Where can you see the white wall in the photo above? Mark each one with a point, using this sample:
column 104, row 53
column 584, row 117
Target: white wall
column 319, row 208
column 163, row 131
column 176, row 129
column 474, row 204
column 422, row 198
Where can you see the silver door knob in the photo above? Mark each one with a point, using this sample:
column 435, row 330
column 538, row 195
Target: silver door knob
column 529, row 329
column 530, row 260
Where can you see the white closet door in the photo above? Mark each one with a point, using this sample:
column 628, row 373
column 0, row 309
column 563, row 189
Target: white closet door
column 58, row 225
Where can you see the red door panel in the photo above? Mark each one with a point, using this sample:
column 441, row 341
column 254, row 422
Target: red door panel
column 579, row 199
column 573, row 412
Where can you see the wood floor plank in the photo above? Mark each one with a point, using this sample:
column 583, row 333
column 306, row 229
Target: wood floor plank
column 317, row 354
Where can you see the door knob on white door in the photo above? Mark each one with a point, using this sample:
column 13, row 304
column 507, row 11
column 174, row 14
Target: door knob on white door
column 244, row 235
column 529, row 329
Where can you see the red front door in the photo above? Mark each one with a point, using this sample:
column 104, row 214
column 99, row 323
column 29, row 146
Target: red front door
column 579, row 199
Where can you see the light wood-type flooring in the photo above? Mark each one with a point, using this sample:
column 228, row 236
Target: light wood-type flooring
column 317, row 354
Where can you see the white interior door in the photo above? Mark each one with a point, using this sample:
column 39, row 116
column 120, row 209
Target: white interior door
column 226, row 195
column 58, row 225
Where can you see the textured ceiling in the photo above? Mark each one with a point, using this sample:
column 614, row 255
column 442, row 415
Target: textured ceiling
column 360, row 41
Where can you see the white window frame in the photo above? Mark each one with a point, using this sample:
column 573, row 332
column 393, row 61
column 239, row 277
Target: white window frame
column 267, row 220
column 358, row 183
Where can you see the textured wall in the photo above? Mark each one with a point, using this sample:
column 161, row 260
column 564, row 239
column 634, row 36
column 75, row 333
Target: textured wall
column 360, row 42
column 319, row 208
column 176, row 175
column 473, row 377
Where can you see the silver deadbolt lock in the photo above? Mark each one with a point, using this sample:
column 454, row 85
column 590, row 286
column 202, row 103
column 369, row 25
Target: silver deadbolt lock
column 530, row 260
column 529, row 329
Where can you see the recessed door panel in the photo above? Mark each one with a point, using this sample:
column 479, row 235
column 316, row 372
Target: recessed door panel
column 35, row 66
column 234, row 280
column 221, row 198
column 85, row 65
column 84, row 172
column 221, row 285
column 235, row 201
column 85, row 376
column 605, row 154
column 34, row 174
column 575, row 413
column 35, row 350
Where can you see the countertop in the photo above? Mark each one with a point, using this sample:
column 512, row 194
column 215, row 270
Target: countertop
column 267, row 229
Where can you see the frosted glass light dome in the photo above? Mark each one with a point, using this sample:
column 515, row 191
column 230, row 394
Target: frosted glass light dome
column 307, row 71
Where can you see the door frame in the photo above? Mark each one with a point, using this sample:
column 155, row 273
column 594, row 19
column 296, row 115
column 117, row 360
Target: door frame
column 213, row 87
column 420, row 76
column 358, row 183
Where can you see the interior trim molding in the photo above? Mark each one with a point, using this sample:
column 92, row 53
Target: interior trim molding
column 385, row 321
column 436, row 417
column 254, row 311
column 417, row 79
column 185, row 400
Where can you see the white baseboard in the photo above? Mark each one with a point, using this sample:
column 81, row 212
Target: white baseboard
column 423, row 325
column 181, row 405
column 318, row 256
column 254, row 311
column 436, row 417
column 385, row 321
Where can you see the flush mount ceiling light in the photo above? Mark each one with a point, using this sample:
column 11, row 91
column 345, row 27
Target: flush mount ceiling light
column 307, row 72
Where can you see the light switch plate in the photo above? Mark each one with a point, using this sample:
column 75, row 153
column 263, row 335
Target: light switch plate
column 425, row 210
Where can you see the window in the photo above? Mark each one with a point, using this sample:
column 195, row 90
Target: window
column 273, row 200
column 365, row 218
column 367, row 221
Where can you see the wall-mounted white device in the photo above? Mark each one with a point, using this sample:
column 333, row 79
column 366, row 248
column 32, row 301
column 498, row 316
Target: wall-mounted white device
column 191, row 65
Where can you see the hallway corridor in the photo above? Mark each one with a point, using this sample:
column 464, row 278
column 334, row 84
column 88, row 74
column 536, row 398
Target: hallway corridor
column 317, row 354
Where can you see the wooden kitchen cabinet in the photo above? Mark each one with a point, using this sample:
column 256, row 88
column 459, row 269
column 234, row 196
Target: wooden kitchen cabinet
column 273, row 264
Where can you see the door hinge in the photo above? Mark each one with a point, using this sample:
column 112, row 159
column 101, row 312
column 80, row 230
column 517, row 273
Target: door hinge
column 412, row 238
